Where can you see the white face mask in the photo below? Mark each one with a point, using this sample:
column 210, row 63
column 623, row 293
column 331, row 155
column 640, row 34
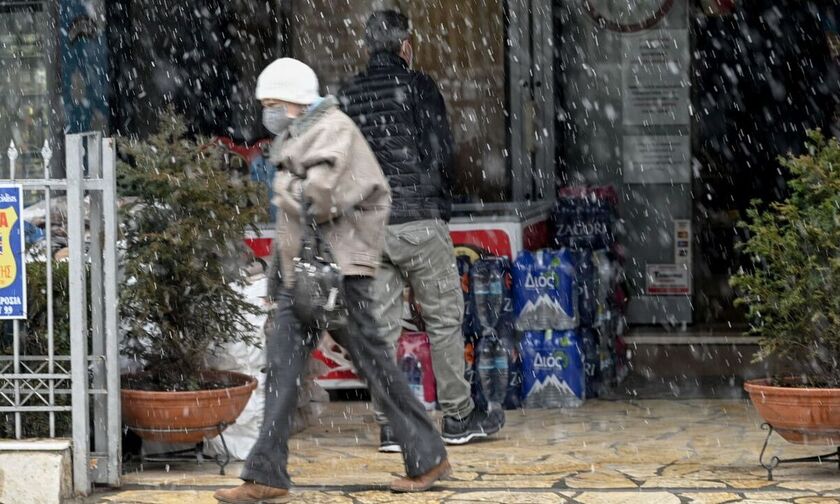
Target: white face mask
column 276, row 119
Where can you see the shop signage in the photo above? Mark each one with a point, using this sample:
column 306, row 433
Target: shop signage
column 668, row 280
column 12, row 266
column 628, row 16
column 682, row 241
column 657, row 159
column 655, row 78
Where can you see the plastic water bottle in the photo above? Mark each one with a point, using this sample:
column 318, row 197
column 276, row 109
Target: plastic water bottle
column 508, row 313
column 591, row 361
column 586, row 282
column 486, row 363
column 471, row 372
column 513, row 396
column 501, row 358
column 605, row 277
column 413, row 371
column 471, row 327
column 602, row 221
column 493, row 359
column 496, row 301
column 488, row 289
column 480, row 284
column 606, row 353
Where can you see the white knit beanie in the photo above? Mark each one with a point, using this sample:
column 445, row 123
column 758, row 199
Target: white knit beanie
column 289, row 80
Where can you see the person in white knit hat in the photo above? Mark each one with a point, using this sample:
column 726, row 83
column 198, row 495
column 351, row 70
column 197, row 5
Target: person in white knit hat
column 322, row 157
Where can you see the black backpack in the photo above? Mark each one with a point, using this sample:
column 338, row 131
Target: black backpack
column 318, row 282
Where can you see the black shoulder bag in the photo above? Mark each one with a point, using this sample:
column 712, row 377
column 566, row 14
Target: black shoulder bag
column 318, row 288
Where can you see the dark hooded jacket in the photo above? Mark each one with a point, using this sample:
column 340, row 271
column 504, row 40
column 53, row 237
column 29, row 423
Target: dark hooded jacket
column 402, row 115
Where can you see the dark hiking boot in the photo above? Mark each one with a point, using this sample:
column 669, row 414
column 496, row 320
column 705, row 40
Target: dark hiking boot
column 479, row 424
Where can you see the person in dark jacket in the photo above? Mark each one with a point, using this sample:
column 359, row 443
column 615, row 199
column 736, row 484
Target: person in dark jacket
column 402, row 115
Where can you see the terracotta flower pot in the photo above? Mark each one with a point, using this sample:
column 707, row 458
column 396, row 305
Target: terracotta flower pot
column 186, row 417
column 800, row 415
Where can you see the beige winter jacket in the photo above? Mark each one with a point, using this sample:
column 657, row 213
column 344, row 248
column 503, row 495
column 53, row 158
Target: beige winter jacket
column 324, row 156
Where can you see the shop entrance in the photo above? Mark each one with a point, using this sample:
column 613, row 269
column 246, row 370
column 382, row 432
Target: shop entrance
column 685, row 108
column 541, row 96
column 493, row 63
column 624, row 121
column 544, row 94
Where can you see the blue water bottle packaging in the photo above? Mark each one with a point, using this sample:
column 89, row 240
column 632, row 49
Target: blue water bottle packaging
column 583, row 222
column 553, row 373
column 545, row 290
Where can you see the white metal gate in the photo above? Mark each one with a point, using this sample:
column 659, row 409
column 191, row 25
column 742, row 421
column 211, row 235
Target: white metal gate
column 37, row 384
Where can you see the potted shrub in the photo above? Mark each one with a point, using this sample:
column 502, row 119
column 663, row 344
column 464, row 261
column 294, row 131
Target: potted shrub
column 791, row 292
column 183, row 225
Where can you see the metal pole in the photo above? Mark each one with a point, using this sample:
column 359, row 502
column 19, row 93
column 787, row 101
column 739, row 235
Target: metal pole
column 13, row 154
column 112, row 355
column 46, row 155
column 78, row 304
column 100, row 412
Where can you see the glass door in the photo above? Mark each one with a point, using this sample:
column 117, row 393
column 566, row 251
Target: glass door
column 461, row 44
column 531, row 56
column 625, row 88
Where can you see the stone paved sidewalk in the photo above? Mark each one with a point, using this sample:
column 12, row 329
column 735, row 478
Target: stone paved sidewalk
column 645, row 452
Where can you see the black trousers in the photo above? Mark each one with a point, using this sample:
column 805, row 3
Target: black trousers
column 288, row 345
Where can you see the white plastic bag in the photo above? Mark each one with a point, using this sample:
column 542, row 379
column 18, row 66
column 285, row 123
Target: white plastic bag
column 249, row 359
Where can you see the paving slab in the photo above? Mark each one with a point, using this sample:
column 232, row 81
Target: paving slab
column 649, row 451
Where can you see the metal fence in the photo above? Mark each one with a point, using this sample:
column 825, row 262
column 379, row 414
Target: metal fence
column 85, row 382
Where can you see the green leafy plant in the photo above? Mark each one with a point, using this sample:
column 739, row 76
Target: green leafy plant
column 791, row 291
column 35, row 326
column 34, row 340
column 183, row 231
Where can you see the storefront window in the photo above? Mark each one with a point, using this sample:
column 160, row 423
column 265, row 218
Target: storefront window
column 201, row 60
column 686, row 111
column 460, row 44
column 25, row 91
